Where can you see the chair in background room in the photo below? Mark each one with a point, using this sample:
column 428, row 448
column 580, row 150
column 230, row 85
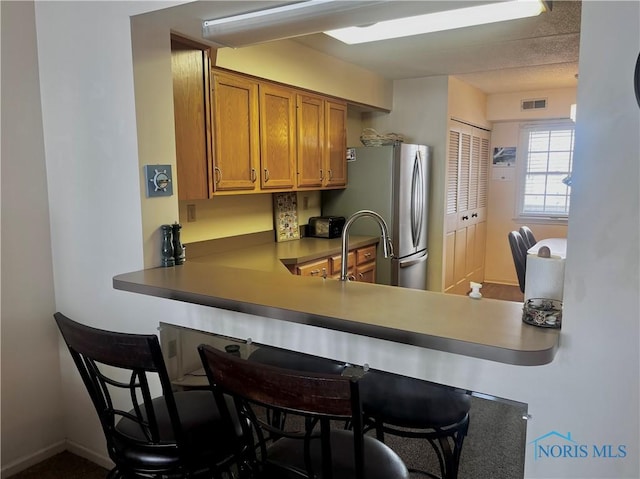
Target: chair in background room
column 174, row 435
column 519, row 253
column 412, row 408
column 315, row 450
column 527, row 235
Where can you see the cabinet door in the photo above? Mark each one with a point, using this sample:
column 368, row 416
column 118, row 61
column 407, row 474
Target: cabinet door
column 460, row 261
column 192, row 115
column 466, row 202
column 277, row 137
column 311, row 140
column 366, row 273
column 237, row 148
column 477, row 274
column 366, row 264
column 336, row 149
column 449, row 251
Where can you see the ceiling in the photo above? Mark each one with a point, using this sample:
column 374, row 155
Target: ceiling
column 519, row 55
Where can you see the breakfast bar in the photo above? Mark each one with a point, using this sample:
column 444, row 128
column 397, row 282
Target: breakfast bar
column 486, row 328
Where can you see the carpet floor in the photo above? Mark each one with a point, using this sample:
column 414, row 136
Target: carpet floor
column 494, row 448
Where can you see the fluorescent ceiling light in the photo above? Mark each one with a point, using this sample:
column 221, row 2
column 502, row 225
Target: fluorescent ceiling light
column 439, row 21
column 268, row 12
column 288, row 20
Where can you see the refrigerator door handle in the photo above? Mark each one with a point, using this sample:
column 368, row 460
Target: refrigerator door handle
column 417, row 200
column 406, row 264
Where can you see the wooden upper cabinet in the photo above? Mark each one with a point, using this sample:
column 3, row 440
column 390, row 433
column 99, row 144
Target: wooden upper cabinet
column 190, row 68
column 272, row 137
column 322, row 142
column 336, row 150
column 277, row 137
column 236, row 127
column 311, row 141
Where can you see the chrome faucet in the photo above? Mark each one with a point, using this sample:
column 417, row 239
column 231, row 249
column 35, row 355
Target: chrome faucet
column 387, row 246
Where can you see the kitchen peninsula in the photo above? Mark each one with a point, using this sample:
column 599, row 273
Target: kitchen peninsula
column 486, row 328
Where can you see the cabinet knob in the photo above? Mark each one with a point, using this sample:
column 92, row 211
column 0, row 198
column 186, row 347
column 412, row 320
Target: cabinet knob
column 266, row 175
column 330, row 175
column 253, row 175
column 218, row 174
column 321, row 175
column 465, row 217
column 367, row 255
column 474, row 215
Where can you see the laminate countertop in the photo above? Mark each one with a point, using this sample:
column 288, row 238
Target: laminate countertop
column 253, row 281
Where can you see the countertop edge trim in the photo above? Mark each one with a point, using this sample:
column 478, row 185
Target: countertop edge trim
column 464, row 348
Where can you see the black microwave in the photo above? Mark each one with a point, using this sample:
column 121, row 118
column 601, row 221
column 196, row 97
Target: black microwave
column 326, row 226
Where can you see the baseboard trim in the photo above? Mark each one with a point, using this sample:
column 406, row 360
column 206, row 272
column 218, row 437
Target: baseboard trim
column 32, row 459
column 501, row 282
column 99, row 459
column 44, row 454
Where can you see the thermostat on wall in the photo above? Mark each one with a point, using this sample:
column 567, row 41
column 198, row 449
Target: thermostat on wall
column 159, row 180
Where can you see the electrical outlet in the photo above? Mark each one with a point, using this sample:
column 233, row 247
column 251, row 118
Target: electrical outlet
column 191, row 213
column 172, row 348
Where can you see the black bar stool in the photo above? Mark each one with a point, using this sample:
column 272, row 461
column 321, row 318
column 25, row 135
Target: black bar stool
column 176, row 434
column 412, row 408
column 316, row 451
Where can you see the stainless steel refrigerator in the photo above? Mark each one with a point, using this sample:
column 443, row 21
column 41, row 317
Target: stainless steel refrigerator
column 393, row 181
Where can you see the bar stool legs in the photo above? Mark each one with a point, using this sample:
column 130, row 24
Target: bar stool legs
column 406, row 407
column 446, row 443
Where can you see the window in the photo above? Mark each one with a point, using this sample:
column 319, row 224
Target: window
column 545, row 159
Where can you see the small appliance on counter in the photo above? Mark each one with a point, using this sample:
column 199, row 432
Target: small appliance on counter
column 326, row 226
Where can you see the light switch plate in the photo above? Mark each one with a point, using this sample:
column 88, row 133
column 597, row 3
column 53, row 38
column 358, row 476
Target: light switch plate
column 159, row 180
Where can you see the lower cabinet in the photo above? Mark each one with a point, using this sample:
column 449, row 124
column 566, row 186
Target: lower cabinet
column 361, row 265
column 366, row 264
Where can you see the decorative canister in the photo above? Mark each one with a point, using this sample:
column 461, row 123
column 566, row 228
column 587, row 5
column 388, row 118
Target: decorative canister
column 542, row 312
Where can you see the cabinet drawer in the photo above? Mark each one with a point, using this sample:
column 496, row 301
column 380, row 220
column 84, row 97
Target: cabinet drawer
column 363, row 255
column 318, row 268
column 335, row 262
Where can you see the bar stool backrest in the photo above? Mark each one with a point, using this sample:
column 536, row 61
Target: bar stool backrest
column 110, row 361
column 318, row 397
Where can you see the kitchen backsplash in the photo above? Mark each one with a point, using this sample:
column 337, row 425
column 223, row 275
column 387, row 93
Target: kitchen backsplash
column 226, row 216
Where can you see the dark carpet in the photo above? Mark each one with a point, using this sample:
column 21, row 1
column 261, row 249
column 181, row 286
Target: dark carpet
column 493, row 448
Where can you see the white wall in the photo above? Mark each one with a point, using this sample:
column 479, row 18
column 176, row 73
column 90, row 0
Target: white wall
column 32, row 413
column 591, row 388
column 507, row 106
column 290, row 62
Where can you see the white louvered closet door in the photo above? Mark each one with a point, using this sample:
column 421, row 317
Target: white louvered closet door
column 466, row 205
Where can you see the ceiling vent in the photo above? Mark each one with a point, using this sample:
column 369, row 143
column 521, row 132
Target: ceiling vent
column 535, row 104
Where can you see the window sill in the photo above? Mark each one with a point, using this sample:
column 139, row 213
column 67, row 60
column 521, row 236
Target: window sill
column 541, row 220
